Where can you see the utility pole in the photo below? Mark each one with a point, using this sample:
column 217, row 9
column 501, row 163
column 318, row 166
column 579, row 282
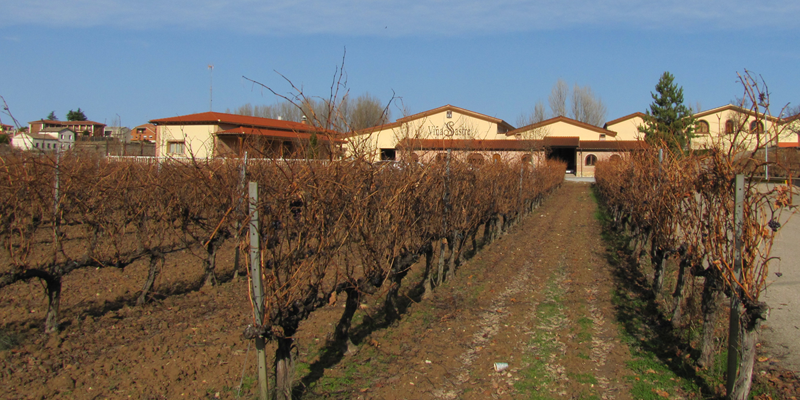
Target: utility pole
column 211, row 87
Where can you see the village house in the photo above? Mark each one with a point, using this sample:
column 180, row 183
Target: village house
column 84, row 128
column 428, row 135
column 144, row 133
column 48, row 139
column 214, row 134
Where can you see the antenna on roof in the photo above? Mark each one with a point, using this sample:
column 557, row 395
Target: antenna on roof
column 211, row 87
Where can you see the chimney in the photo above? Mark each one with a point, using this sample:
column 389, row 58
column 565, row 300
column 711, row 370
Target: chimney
column 305, row 120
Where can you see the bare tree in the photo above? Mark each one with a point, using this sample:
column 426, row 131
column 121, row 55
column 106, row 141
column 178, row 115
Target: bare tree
column 365, row 111
column 558, row 98
column 537, row 115
column 586, row 107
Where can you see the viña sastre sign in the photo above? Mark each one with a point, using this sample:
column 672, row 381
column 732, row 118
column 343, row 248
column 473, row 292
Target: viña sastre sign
column 448, row 130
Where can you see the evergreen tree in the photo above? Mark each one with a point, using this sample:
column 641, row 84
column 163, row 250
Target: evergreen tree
column 76, row 115
column 52, row 116
column 668, row 122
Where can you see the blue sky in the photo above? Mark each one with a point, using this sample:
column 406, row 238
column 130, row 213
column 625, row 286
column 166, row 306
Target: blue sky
column 141, row 60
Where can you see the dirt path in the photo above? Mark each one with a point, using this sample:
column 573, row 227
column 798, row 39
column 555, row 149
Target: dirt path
column 539, row 299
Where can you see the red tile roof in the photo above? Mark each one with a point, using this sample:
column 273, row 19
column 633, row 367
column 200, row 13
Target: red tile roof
column 216, row 118
column 613, row 144
column 272, row 133
column 469, row 144
column 561, row 119
column 520, row 145
column 627, row 117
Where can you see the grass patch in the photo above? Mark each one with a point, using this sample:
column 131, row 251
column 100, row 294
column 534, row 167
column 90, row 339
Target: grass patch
column 584, row 330
column 587, row 379
column 538, row 376
column 653, row 379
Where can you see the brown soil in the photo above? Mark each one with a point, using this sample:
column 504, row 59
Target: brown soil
column 543, row 286
column 538, row 299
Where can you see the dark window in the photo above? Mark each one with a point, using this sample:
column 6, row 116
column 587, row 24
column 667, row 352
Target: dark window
column 591, row 160
column 527, row 158
column 729, row 127
column 496, row 157
column 702, row 128
column 756, row 127
column 388, row 154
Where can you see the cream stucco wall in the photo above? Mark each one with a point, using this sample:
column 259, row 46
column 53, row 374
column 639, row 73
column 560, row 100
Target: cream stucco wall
column 742, row 137
column 198, row 140
column 628, row 129
column 565, row 129
column 435, row 126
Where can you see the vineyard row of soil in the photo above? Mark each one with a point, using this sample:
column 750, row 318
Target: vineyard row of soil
column 325, row 229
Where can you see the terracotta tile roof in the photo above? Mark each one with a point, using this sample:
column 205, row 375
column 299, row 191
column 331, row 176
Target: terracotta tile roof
column 562, row 141
column 612, row 145
column 146, row 127
column 625, row 118
column 791, row 118
column 468, row 144
column 789, row 145
column 272, row 133
column 216, row 118
column 519, row 145
column 554, row 120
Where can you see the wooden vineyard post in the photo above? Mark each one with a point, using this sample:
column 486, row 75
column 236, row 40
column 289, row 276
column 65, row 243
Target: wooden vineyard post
column 735, row 323
column 445, row 230
column 237, row 252
column 258, row 291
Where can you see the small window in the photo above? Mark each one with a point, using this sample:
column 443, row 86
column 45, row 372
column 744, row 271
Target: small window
column 756, row 127
column 441, row 157
column 729, row 127
column 702, row 128
column 591, row 160
column 526, row 158
column 602, row 136
column 175, row 148
column 449, row 114
column 388, row 154
column 615, row 158
column 496, row 157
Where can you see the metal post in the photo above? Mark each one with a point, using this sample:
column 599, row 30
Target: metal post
column 735, row 325
column 258, row 292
